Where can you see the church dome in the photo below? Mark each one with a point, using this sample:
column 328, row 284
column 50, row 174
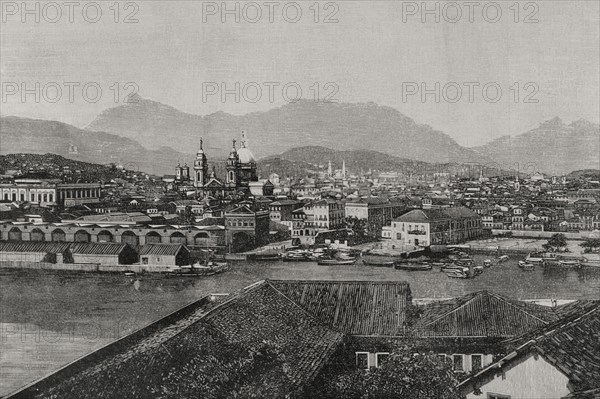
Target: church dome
column 245, row 155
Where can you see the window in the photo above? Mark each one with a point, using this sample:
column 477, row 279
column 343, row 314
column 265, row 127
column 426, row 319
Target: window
column 457, row 363
column 476, row 362
column 497, row 396
column 381, row 358
column 362, row 360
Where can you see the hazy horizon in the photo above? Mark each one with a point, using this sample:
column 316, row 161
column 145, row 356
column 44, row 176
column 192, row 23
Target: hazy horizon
column 370, row 54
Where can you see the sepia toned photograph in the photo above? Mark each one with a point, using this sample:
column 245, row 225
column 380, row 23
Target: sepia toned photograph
column 310, row 199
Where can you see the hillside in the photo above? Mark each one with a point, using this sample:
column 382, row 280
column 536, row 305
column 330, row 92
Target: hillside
column 23, row 135
column 553, row 147
column 54, row 166
column 333, row 125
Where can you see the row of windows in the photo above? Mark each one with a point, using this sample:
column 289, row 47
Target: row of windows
column 365, row 362
column 236, row 223
column 32, row 198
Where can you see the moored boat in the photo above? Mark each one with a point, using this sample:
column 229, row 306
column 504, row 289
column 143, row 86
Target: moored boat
column 335, row 262
column 413, row 266
column 379, row 262
column 487, row 263
column 264, row 256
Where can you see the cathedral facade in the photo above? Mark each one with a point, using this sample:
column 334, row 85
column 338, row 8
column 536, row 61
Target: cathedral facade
column 240, row 172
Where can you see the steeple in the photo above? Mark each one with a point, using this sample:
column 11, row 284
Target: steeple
column 344, row 169
column 329, row 170
column 200, row 167
column 244, row 141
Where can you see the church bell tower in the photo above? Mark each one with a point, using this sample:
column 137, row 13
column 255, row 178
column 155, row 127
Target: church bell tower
column 200, row 168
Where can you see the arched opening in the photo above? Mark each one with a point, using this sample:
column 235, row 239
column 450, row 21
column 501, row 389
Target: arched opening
column 129, row 237
column 58, row 236
column 202, row 239
column 82, row 236
column 177, row 238
column 15, row 234
column 105, row 236
column 37, row 235
column 241, row 242
column 153, row 238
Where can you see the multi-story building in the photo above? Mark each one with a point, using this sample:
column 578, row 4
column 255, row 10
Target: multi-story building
column 324, row 214
column 282, row 211
column 47, row 193
column 378, row 212
column 424, row 227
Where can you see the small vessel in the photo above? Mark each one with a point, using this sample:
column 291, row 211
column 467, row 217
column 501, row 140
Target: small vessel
column 528, row 267
column 569, row 263
column 264, row 256
column 487, row 263
column 335, row 262
column 297, row 256
column 413, row 266
column 129, row 273
column 199, row 270
column 503, row 258
column 457, row 273
column 379, row 262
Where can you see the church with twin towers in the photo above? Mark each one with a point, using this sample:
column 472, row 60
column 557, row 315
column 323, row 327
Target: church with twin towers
column 241, row 174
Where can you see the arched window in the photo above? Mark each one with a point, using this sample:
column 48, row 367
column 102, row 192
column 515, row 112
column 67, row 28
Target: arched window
column 37, row 235
column 153, row 238
column 15, row 234
column 82, row 236
column 129, row 237
column 178, row 238
column 105, row 236
column 58, row 236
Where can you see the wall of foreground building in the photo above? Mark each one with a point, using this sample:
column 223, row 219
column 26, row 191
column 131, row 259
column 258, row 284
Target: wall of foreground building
column 532, row 378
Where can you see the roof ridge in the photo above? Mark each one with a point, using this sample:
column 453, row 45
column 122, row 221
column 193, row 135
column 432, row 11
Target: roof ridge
column 340, row 281
column 508, row 301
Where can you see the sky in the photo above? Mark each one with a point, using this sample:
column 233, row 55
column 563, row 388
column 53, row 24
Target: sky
column 536, row 60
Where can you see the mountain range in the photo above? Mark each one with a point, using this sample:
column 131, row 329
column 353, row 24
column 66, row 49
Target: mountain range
column 153, row 137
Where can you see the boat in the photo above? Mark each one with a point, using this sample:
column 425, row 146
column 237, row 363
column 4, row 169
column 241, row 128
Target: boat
column 264, row 257
column 528, row 267
column 457, row 273
column 569, row 263
column 503, row 258
column 379, row 262
column 209, row 269
column 335, row 262
column 128, row 274
column 487, row 263
column 297, row 256
column 413, row 266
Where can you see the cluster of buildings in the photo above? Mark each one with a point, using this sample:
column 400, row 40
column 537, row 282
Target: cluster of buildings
column 240, row 211
column 291, row 336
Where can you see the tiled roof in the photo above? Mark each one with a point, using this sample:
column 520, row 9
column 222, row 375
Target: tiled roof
column 97, row 248
column 481, row 314
column 161, row 249
column 355, row 307
column 571, row 344
column 34, row 246
column 428, row 215
column 213, row 354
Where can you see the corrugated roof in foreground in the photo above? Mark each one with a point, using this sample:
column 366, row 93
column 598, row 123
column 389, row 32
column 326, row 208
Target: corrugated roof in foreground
column 257, row 341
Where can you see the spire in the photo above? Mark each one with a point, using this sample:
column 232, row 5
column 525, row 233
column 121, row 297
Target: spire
column 201, row 149
column 244, row 141
column 233, row 144
column 344, row 168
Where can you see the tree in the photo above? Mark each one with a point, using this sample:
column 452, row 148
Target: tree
column 555, row 242
column 188, row 216
column 403, row 376
column 359, row 227
column 591, row 244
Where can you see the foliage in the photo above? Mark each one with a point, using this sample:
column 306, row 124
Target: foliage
column 591, row 244
column 187, row 217
column 556, row 242
column 360, row 228
column 404, row 376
